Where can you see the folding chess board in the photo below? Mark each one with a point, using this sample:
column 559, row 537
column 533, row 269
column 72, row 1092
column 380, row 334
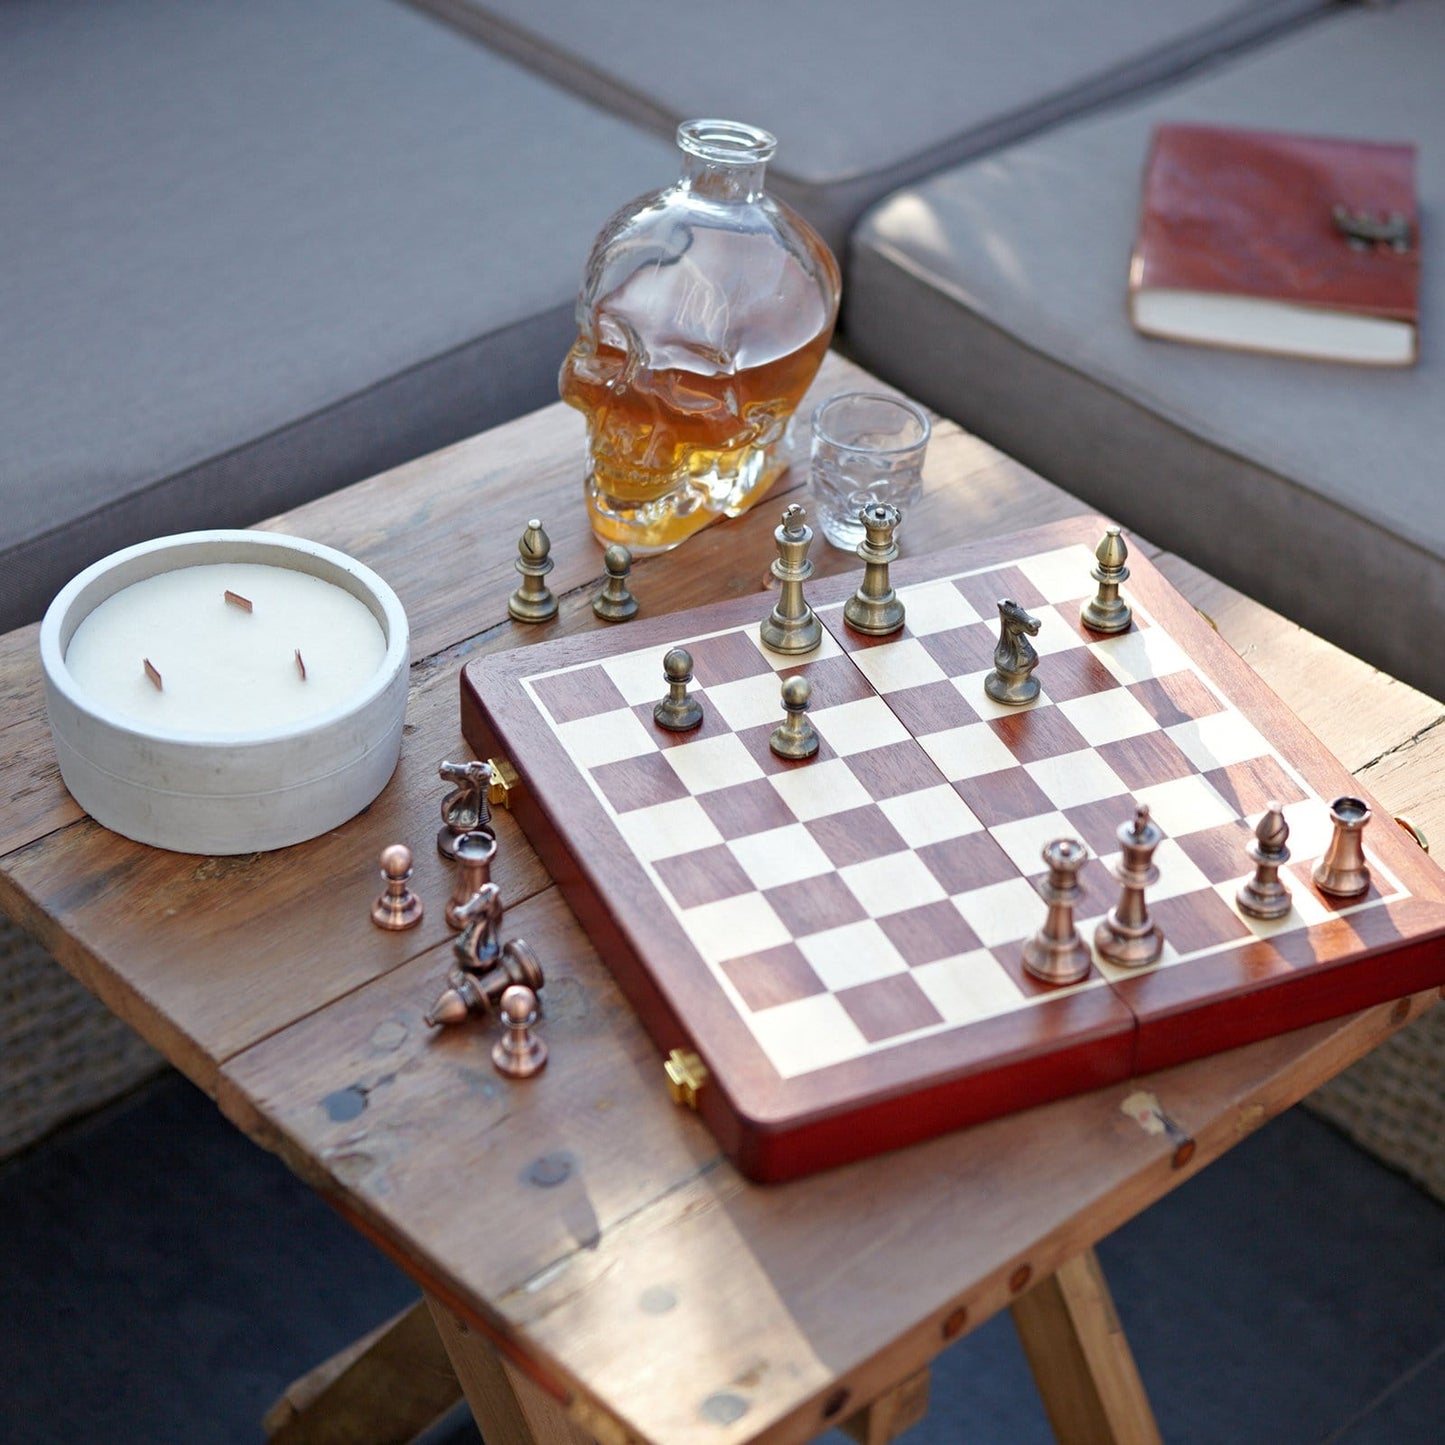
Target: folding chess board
column 840, row 939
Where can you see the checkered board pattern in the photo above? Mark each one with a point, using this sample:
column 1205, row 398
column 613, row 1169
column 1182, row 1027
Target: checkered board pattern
column 873, row 901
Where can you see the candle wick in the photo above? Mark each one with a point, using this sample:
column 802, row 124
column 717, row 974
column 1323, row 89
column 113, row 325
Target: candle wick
column 300, row 666
column 151, row 673
column 236, row 600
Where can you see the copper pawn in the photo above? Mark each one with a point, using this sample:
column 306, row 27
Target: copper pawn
column 519, row 1053
column 398, row 907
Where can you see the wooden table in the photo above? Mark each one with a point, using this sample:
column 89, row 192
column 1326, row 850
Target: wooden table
column 593, row 1266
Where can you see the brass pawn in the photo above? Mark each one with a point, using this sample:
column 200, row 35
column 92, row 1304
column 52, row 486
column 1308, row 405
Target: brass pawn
column 614, row 603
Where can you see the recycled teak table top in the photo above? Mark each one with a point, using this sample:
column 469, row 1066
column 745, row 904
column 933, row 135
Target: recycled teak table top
column 580, row 1221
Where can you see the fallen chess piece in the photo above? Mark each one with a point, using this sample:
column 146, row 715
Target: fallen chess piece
column 469, row 993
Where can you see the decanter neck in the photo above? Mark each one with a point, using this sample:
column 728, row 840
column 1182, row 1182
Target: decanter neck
column 724, row 160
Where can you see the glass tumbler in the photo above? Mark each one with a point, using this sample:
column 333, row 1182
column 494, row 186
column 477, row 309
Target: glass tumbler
column 867, row 448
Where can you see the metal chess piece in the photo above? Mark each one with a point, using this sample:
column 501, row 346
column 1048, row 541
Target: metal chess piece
column 1262, row 895
column 1012, row 681
column 398, row 907
column 465, row 809
column 679, row 711
column 1106, row 611
column 795, row 737
column 1056, row 953
column 470, row 993
column 875, row 608
column 1343, row 872
column 1127, row 936
column 478, row 946
column 533, row 600
column 614, row 603
column 791, row 627
column 519, row 1053
column 473, row 853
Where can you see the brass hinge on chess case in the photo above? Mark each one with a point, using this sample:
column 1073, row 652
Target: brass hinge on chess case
column 504, row 779
column 686, row 1074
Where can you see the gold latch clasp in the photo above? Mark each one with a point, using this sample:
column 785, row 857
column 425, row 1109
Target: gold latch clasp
column 504, row 779
column 686, row 1074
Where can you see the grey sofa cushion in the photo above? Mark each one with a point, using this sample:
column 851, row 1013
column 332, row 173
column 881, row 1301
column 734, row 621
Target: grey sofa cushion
column 257, row 249
column 863, row 96
column 997, row 292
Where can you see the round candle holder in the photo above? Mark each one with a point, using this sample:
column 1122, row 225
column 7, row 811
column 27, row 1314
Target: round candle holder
column 259, row 787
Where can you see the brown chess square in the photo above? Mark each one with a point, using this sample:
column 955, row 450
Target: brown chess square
column 1148, row 758
column 1038, row 732
column 745, row 808
column 703, row 876
column 887, row 1007
column 962, row 651
column 1003, row 797
column 638, row 782
column 933, row 707
column 985, row 590
column 1176, row 698
column 892, row 771
column 726, row 658
column 930, row 932
column 812, row 905
column 1251, row 786
column 775, row 976
column 856, row 835
column 584, row 692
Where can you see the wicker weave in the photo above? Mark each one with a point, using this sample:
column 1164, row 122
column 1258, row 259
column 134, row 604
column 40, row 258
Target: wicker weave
column 1393, row 1101
column 61, row 1052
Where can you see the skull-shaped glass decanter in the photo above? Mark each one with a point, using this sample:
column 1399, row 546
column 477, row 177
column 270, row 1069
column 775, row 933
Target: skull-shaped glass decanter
column 704, row 314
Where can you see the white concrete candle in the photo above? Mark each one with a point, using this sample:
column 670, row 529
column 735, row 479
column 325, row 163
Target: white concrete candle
column 184, row 720
column 224, row 669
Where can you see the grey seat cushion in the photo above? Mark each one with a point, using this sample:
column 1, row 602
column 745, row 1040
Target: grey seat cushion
column 997, row 293
column 863, row 97
column 257, row 249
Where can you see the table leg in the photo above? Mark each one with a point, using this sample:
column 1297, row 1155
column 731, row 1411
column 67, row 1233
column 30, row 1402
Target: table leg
column 1081, row 1361
column 887, row 1417
column 509, row 1408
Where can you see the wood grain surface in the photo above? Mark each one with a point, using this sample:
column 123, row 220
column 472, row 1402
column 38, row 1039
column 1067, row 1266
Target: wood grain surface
column 579, row 1221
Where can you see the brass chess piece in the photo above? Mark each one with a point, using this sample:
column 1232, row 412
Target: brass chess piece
column 398, row 907
column 679, row 711
column 473, row 853
column 533, row 600
column 1012, row 680
column 1056, row 954
column 791, row 627
column 1127, row 936
column 795, row 737
column 466, row 808
column 1262, row 894
column 1343, row 871
column 614, row 603
column 875, row 609
column 1106, row 611
column 519, row 1053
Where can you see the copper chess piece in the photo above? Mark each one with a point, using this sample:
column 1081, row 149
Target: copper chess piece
column 1106, row 611
column 398, row 907
column 614, row 603
column 465, row 808
column 791, row 627
column 1056, row 954
column 875, row 609
column 1127, row 936
column 469, row 992
column 1343, row 872
column 519, row 1053
column 533, row 601
column 1262, row 894
column 473, row 853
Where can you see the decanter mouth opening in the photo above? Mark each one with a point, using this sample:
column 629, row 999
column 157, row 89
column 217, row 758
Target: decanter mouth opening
column 726, row 142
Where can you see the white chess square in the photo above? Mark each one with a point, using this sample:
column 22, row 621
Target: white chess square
column 1003, row 911
column 1178, row 872
column 780, row 662
column 820, row 789
column 1062, row 575
column 667, row 829
column 968, row 987
column 711, row 763
column 1140, row 654
column 853, row 954
column 855, row 727
column 747, row 702
column 733, row 927
column 1075, row 778
column 638, row 675
column 1309, row 828
column 1218, row 740
column 892, row 666
column 931, row 815
column 1185, row 805
column 892, row 883
column 1306, row 910
column 1113, row 972
column 1106, row 717
column 781, row 855
column 1024, row 839
column 971, row 688
column 935, row 607
column 608, row 737
column 1056, row 634
column 807, row 1034
column 968, row 752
